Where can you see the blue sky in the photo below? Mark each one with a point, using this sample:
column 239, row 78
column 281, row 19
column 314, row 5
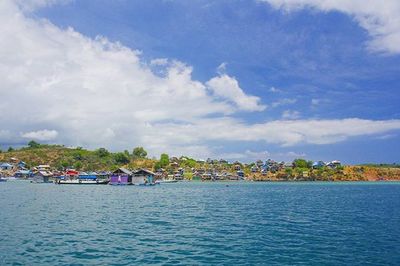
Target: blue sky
column 304, row 63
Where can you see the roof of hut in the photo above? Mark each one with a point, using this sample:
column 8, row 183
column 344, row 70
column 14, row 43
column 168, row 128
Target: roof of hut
column 145, row 171
column 122, row 170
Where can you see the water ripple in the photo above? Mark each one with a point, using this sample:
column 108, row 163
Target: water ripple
column 201, row 224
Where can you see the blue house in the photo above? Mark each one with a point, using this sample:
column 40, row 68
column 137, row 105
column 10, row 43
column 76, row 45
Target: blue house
column 318, row 165
column 143, row 177
column 23, row 173
column 21, row 165
column 6, row 166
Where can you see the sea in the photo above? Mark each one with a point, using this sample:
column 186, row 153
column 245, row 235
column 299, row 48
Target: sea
column 199, row 223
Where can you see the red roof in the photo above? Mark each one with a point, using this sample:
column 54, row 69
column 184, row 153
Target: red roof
column 71, row 172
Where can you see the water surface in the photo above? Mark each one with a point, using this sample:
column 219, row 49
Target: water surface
column 200, row 223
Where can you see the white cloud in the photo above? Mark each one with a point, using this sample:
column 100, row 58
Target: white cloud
column 41, row 135
column 221, row 69
column 315, row 102
column 294, row 155
column 274, row 90
column 380, row 18
column 31, row 5
column 227, row 87
column 284, row 101
column 247, row 155
column 290, row 114
column 95, row 93
column 159, row 62
column 283, row 132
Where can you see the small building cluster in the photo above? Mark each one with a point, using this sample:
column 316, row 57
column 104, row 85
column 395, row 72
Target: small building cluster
column 178, row 169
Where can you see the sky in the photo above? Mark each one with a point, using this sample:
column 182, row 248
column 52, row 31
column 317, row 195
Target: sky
column 233, row 79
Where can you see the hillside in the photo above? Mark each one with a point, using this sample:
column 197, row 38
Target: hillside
column 60, row 157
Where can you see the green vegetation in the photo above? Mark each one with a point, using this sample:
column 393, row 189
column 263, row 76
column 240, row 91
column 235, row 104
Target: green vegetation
column 121, row 158
column 61, row 157
column 301, row 163
column 382, row 165
column 139, row 153
column 163, row 162
column 33, row 144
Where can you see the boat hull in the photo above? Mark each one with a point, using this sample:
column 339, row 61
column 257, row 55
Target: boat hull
column 82, row 182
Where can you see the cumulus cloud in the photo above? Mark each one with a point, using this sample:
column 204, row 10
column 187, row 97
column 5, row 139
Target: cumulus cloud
column 380, row 18
column 92, row 92
column 283, row 132
column 251, row 156
column 41, row 135
column 227, row 87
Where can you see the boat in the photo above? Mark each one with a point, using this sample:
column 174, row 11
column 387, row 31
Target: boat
column 73, row 177
column 81, row 182
column 166, row 181
column 3, row 179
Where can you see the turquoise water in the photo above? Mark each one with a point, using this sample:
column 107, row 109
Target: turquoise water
column 201, row 223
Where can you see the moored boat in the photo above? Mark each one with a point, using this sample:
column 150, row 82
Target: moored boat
column 166, row 181
column 81, row 182
column 73, row 177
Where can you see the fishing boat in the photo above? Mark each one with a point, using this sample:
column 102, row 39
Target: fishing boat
column 166, row 181
column 82, row 179
column 81, row 182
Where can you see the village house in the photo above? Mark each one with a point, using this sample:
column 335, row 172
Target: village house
column 43, row 167
column 42, row 176
column 334, row 164
column 21, row 165
column 121, row 176
column 318, row 165
column 254, row 169
column 259, row 163
column 143, row 177
column 23, row 173
column 237, row 166
column 6, row 166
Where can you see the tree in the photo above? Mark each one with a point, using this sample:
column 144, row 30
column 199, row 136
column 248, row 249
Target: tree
column 121, row 158
column 10, row 149
column 139, row 153
column 33, row 144
column 78, row 155
column 164, row 160
column 64, row 164
column 289, row 172
column 301, row 163
column 78, row 165
column 102, row 152
column 157, row 165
